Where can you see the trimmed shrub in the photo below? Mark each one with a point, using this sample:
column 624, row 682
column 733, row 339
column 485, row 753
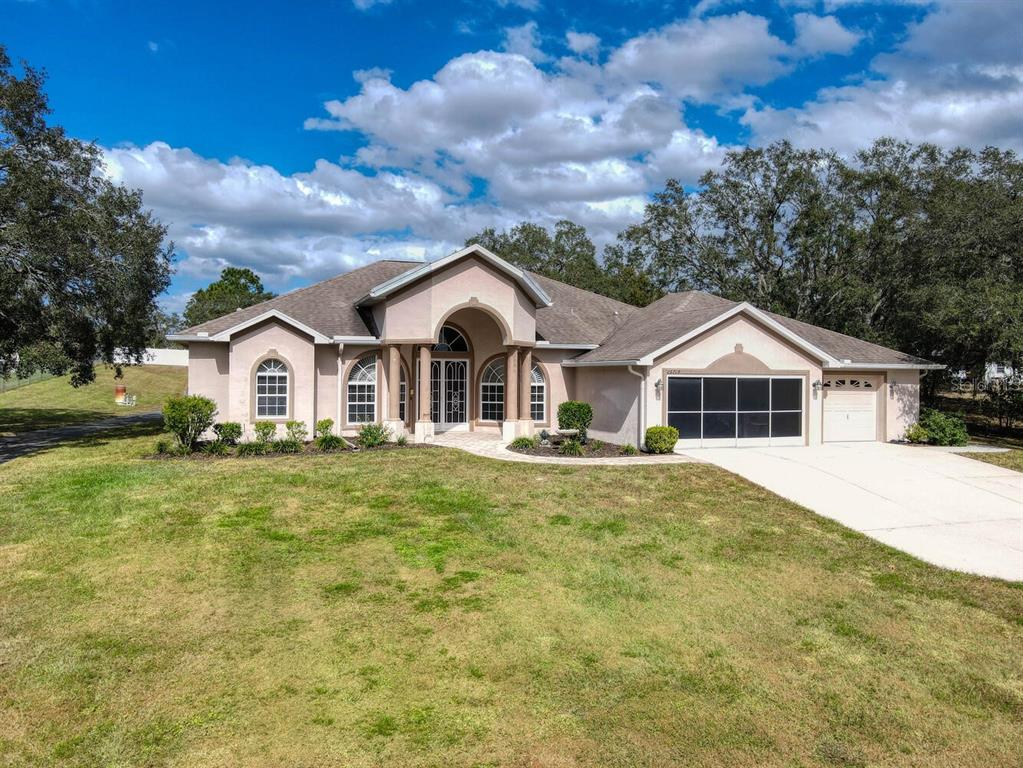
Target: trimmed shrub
column 229, row 432
column 373, row 435
column 575, row 414
column 253, row 449
column 324, row 427
column 287, row 445
column 917, row 434
column 296, row 431
column 188, row 417
column 215, row 448
column 628, row 450
column 943, row 428
column 265, row 431
column 524, row 443
column 570, row 447
column 661, row 439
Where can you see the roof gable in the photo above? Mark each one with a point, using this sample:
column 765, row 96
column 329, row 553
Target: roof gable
column 524, row 279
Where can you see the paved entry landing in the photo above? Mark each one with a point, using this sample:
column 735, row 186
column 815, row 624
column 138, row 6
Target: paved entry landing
column 946, row 509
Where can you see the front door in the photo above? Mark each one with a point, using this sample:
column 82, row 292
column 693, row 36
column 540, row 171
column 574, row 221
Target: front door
column 449, row 390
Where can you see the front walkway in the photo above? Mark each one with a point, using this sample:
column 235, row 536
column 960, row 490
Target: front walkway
column 488, row 443
column 946, row 509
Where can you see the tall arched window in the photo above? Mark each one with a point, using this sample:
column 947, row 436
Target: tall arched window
column 272, row 390
column 362, row 391
column 451, row 341
column 537, row 395
column 492, row 392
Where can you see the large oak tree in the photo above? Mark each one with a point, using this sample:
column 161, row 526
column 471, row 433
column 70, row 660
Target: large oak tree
column 81, row 260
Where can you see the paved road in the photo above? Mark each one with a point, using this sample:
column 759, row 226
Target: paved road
column 949, row 510
column 42, row 439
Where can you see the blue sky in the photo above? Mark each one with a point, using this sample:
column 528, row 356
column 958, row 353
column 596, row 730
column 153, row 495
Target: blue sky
column 303, row 139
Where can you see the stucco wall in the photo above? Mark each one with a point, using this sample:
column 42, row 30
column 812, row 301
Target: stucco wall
column 208, row 375
column 416, row 313
column 560, row 382
column 272, row 339
column 614, row 394
column 760, row 352
column 902, row 402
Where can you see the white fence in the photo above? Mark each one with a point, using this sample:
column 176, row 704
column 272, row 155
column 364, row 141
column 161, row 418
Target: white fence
column 156, row 356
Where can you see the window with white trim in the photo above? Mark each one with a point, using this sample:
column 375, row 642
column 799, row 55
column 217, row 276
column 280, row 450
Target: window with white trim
column 272, row 390
column 362, row 391
column 492, row 392
column 451, row 341
column 537, row 395
column 402, row 395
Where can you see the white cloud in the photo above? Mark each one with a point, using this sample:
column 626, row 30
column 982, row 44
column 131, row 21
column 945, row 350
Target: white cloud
column 153, row 46
column 365, row 5
column 526, row 5
column 956, row 79
column 700, row 59
column 582, row 43
column 817, row 35
column 524, row 40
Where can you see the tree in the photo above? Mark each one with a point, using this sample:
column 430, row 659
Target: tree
column 81, row 261
column 567, row 255
column 236, row 288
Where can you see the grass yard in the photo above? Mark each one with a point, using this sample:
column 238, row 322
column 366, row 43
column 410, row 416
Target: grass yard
column 55, row 402
column 431, row 608
column 1012, row 459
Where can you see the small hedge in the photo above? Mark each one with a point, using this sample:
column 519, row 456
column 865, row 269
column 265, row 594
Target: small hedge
column 265, row 431
column 937, row 428
column 661, row 439
column 296, row 431
column 524, row 443
column 230, row 432
column 188, row 417
column 575, row 414
column 373, row 435
column 253, row 449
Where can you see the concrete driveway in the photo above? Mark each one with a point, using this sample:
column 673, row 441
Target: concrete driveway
column 946, row 509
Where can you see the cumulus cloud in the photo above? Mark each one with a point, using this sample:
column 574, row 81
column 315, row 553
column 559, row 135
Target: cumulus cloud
column 956, row 79
column 525, row 41
column 817, row 35
column 582, row 43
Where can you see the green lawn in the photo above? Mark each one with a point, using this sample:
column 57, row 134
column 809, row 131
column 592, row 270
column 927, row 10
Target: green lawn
column 1012, row 459
column 425, row 607
column 55, row 402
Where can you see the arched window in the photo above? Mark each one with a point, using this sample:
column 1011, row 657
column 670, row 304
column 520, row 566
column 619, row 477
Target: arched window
column 272, row 390
column 537, row 395
column 492, row 392
column 402, row 394
column 362, row 391
column 451, row 341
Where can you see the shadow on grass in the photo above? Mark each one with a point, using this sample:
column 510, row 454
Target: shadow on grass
column 20, row 421
column 81, row 435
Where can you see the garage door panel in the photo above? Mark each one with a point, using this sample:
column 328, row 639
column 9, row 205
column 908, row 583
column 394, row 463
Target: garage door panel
column 850, row 409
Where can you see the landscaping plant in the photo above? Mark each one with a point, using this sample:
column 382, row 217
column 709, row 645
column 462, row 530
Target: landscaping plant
column 187, row 417
column 296, row 430
column 257, row 448
column 628, row 450
column 373, row 435
column 265, row 431
column 575, row 414
column 571, row 447
column 661, row 439
column 943, row 428
column 230, row 432
column 286, row 445
column 524, row 443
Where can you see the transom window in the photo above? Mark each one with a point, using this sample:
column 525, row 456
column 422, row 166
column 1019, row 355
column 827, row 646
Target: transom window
column 492, row 392
column 844, row 383
column 451, row 341
column 272, row 390
column 537, row 395
column 362, row 391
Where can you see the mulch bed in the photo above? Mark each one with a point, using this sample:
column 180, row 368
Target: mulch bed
column 604, row 451
column 309, row 449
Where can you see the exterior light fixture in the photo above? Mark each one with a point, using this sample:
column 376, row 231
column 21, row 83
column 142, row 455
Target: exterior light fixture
column 657, row 389
column 817, row 385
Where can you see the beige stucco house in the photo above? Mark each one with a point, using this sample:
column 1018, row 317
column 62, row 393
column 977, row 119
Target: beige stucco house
column 471, row 341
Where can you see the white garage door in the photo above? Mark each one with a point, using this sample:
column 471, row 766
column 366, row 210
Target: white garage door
column 850, row 408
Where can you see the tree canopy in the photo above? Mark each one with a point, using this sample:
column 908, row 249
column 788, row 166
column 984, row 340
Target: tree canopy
column 910, row 246
column 236, row 288
column 81, row 260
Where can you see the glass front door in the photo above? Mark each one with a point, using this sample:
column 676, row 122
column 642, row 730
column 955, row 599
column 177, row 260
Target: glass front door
column 449, row 389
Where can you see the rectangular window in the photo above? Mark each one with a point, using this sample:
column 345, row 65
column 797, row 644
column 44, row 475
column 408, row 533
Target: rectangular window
column 536, row 402
column 687, row 424
column 362, row 407
column 718, row 394
column 492, row 402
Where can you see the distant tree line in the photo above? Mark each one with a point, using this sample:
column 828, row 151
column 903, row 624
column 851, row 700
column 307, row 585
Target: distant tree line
column 910, row 246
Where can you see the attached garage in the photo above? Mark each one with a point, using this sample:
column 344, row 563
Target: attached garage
column 850, row 408
column 730, row 411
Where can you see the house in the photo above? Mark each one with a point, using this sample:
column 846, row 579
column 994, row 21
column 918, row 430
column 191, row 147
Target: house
column 470, row 341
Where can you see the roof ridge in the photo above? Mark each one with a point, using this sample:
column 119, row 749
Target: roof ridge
column 531, row 273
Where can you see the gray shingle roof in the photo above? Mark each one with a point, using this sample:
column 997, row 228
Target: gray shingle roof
column 327, row 307
column 676, row 314
column 576, row 316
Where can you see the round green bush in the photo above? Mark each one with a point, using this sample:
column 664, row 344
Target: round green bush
column 661, row 439
column 575, row 414
column 187, row 417
column 943, row 428
column 230, row 432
